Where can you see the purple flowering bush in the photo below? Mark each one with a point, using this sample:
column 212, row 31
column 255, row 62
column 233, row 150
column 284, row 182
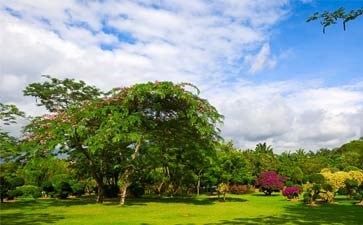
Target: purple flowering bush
column 269, row 181
column 291, row 192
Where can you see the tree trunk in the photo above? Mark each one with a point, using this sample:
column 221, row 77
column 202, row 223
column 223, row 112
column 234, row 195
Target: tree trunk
column 123, row 192
column 361, row 202
column 198, row 186
column 125, row 177
column 100, row 191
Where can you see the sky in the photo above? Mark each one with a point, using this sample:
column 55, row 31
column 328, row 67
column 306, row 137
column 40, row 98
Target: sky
column 275, row 78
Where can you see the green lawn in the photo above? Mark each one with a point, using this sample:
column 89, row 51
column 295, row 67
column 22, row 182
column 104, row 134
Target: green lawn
column 238, row 209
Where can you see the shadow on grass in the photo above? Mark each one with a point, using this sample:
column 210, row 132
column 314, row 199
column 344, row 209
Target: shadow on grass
column 303, row 215
column 29, row 219
column 184, row 200
column 44, row 203
column 261, row 194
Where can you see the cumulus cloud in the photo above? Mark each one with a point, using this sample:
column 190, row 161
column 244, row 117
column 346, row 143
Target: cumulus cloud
column 209, row 43
column 290, row 115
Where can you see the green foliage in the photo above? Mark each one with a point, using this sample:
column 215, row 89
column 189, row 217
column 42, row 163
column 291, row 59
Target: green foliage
column 289, row 183
column 48, row 188
column 4, row 188
column 9, row 145
column 351, row 154
column 329, row 18
column 58, row 95
column 9, row 113
column 110, row 134
column 14, row 193
column 15, row 182
column 137, row 190
column 316, row 178
column 29, row 191
column 63, row 190
column 78, row 189
column 351, row 186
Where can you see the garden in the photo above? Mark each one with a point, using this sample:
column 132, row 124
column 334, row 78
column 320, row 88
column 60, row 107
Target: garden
column 155, row 150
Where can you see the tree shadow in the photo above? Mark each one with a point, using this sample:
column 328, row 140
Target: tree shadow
column 29, row 219
column 303, row 215
column 261, row 194
column 184, row 200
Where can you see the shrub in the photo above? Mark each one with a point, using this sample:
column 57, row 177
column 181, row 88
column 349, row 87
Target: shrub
column 241, row 189
column 289, row 183
column 15, row 182
column 78, row 189
column 306, row 198
column 316, row 178
column 14, row 193
column 63, row 190
column 136, row 190
column 291, row 192
column 30, row 191
column 222, row 188
column 4, row 188
column 48, row 187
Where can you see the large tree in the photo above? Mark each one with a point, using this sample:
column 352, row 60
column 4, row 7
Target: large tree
column 123, row 125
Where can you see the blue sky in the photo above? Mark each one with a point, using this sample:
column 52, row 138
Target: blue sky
column 276, row 78
column 334, row 57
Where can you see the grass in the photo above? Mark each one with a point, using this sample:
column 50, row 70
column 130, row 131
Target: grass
column 238, row 209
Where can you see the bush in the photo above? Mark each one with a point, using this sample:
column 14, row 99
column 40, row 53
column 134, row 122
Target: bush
column 63, row 190
column 30, row 191
column 306, row 198
column 291, row 192
column 289, row 183
column 137, row 190
column 15, row 182
column 78, row 189
column 342, row 191
column 4, row 188
column 241, row 189
column 48, row 187
column 316, row 178
column 14, row 193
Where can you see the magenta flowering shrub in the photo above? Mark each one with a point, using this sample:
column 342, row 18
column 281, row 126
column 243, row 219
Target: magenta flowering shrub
column 269, row 181
column 291, row 192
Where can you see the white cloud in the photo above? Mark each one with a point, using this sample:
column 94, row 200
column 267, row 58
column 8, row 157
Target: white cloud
column 290, row 115
column 203, row 42
column 261, row 60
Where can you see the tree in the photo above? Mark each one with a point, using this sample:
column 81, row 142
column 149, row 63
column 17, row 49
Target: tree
column 8, row 144
column 122, row 126
column 59, row 95
column 329, row 18
column 269, row 181
column 9, row 147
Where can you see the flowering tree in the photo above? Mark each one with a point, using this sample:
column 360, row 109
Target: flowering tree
column 269, row 181
column 116, row 130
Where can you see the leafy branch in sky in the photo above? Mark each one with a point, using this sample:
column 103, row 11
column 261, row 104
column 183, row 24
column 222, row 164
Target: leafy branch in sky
column 329, row 18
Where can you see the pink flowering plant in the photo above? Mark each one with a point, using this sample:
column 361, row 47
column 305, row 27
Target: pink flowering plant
column 269, row 182
column 291, row 192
